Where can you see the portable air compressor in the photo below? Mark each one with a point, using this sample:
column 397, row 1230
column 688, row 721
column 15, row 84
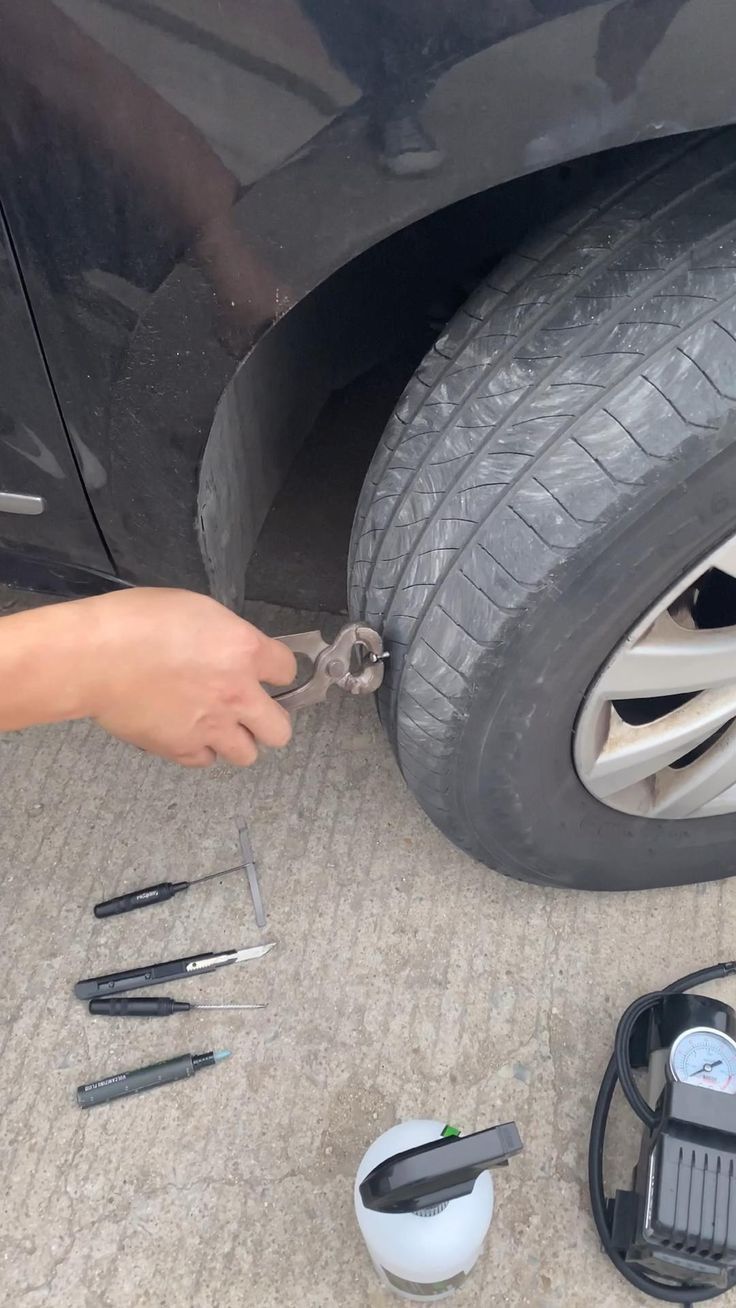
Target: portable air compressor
column 673, row 1234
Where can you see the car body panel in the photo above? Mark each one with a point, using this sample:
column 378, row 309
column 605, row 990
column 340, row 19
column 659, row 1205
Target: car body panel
column 49, row 515
column 178, row 176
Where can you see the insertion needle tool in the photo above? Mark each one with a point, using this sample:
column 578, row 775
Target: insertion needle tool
column 154, row 1006
column 154, row 894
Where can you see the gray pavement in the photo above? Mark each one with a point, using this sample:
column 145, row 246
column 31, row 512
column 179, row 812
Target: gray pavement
column 408, row 981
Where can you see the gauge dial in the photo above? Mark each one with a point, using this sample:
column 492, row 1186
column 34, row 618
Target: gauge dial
column 705, row 1057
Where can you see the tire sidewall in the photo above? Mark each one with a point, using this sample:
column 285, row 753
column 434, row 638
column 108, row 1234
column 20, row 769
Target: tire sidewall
column 514, row 778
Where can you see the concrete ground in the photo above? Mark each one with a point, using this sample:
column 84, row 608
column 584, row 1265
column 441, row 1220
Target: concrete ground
column 407, row 981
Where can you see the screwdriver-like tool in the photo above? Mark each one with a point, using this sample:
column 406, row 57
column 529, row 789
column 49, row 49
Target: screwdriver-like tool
column 154, row 894
column 157, row 1006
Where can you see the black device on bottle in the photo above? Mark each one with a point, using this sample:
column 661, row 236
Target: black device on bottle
column 439, row 1171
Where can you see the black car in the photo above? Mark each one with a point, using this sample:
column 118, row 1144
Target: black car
column 216, row 215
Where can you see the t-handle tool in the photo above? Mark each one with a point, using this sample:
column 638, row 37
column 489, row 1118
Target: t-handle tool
column 154, row 894
column 353, row 660
column 249, row 863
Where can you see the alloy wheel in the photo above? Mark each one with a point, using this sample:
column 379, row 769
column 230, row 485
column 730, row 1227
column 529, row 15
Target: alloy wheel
column 656, row 735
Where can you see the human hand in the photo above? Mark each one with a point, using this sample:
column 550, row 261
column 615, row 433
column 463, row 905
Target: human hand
column 179, row 675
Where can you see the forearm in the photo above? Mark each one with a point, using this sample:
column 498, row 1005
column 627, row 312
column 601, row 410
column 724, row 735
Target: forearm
column 169, row 671
column 46, row 664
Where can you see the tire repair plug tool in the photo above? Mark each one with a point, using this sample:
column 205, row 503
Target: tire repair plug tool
column 155, row 1006
column 154, row 894
column 146, row 1078
column 159, row 973
column 249, row 863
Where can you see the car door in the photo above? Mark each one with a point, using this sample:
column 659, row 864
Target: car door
column 44, row 513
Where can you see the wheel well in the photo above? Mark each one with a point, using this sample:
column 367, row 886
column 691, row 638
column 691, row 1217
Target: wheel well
column 390, row 301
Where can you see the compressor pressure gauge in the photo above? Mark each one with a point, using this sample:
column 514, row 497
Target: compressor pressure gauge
column 704, row 1057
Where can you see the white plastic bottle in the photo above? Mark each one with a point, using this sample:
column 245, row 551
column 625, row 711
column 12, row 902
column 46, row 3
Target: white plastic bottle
column 424, row 1203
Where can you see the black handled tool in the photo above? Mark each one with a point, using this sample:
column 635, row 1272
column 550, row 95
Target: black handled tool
column 146, row 1078
column 154, row 894
column 154, row 1006
column 156, row 973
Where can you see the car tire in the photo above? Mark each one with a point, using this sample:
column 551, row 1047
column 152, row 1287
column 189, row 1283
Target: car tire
column 564, row 453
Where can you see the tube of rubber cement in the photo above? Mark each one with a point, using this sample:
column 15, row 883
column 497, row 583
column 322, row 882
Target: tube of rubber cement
column 146, row 1078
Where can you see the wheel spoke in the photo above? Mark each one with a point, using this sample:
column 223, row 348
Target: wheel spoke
column 671, row 660
column 723, row 803
column 725, row 558
column 678, row 792
column 641, row 766
column 633, row 753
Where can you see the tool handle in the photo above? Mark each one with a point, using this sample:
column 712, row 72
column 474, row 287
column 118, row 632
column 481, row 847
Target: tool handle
column 137, row 977
column 139, row 898
column 156, row 1006
column 131, row 1083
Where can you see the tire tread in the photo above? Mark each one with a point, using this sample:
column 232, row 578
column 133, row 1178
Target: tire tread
column 581, row 370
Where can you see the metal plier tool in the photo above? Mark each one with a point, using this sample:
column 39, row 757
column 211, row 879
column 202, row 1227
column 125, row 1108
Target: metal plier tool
column 354, row 660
